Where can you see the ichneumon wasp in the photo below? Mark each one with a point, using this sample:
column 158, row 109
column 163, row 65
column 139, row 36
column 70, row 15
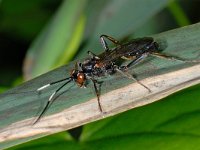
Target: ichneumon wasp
column 106, row 64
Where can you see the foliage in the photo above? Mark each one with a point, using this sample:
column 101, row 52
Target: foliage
column 74, row 28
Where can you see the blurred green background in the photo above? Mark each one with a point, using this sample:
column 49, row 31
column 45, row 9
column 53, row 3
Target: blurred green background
column 37, row 36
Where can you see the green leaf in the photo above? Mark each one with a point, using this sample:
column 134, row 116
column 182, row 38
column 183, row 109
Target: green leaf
column 75, row 106
column 121, row 18
column 168, row 124
column 2, row 89
column 172, row 123
column 178, row 13
column 59, row 37
column 56, row 141
column 73, row 44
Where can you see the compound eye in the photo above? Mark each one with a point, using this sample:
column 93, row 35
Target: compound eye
column 80, row 79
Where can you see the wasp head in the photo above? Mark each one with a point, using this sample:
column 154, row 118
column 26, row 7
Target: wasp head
column 78, row 76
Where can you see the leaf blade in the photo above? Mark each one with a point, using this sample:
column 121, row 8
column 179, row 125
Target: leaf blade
column 77, row 106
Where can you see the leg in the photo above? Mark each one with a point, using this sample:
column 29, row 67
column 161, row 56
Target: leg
column 97, row 94
column 132, row 63
column 50, row 100
column 92, row 55
column 131, row 77
column 104, row 43
column 160, row 55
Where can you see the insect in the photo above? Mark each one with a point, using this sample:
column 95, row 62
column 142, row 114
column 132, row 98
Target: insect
column 106, row 64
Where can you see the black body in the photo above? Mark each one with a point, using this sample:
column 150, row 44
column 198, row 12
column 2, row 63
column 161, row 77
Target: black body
column 106, row 62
